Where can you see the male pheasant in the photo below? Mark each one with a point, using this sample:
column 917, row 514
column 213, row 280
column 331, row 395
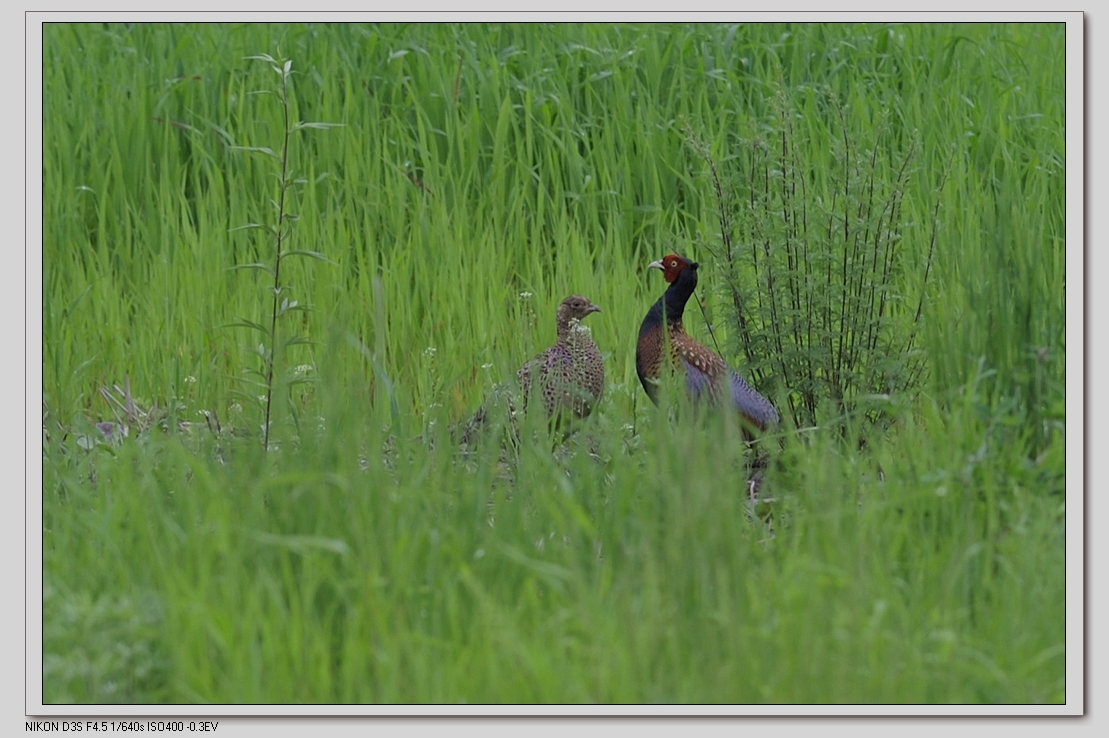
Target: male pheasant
column 569, row 376
column 706, row 374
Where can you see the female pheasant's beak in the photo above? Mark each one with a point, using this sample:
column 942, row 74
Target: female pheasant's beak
column 589, row 309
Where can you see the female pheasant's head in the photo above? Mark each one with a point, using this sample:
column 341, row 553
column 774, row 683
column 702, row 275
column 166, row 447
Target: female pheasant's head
column 571, row 311
column 575, row 306
column 672, row 266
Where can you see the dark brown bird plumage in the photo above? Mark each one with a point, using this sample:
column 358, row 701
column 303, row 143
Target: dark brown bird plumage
column 569, row 376
column 663, row 340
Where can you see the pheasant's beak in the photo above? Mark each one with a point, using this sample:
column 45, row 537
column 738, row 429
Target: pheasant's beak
column 656, row 265
column 592, row 309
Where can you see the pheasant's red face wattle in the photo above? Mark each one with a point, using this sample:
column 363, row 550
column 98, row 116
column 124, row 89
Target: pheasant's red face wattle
column 671, row 266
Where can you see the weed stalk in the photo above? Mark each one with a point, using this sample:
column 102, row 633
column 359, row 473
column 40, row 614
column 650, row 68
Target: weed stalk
column 279, row 305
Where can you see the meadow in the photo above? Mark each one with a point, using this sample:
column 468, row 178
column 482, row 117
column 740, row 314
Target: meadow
column 469, row 177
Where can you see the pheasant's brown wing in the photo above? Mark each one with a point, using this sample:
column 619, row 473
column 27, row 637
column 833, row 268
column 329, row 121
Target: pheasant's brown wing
column 648, row 359
column 707, row 376
column 703, row 369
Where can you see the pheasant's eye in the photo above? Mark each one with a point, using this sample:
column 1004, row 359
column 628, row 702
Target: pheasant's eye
column 673, row 263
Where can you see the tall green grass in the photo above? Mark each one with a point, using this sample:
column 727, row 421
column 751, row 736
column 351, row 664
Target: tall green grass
column 483, row 173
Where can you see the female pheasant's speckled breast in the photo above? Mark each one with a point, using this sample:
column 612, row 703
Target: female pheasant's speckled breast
column 573, row 373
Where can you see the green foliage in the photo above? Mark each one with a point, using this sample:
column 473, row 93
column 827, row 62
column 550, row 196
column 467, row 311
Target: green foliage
column 104, row 650
column 482, row 173
column 821, row 237
column 360, row 568
column 271, row 355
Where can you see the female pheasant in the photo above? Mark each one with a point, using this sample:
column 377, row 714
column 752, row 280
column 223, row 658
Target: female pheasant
column 569, row 376
column 706, row 374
